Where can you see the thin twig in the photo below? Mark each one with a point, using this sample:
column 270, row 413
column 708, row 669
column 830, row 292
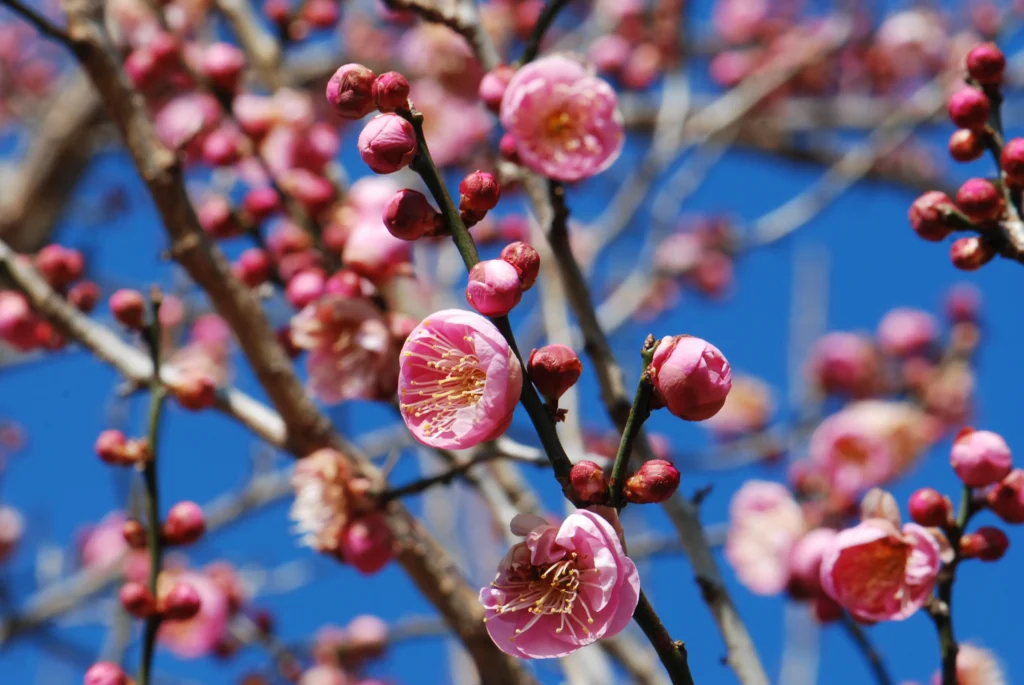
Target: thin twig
column 544, row 21
column 863, row 644
column 638, row 413
column 446, row 477
column 42, row 24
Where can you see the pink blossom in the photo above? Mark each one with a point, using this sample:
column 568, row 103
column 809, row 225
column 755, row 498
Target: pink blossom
column 566, row 122
column 560, row 589
column 747, row 409
column 199, row 635
column 691, row 376
column 980, row 457
column 181, row 122
column 879, row 573
column 103, row 547
column 805, row 561
column 764, row 524
column 853, row 457
column 494, row 287
column 903, row 332
column 846, row 363
column 367, row 542
column 738, row 21
column 371, row 251
column 975, row 666
column 905, row 430
column 459, row 381
column 323, row 499
column 352, row 354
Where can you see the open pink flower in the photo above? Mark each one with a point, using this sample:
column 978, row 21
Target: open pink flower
column 459, row 381
column 853, row 457
column 323, row 500
column 879, row 573
column 765, row 522
column 566, row 123
column 199, row 635
column 560, row 589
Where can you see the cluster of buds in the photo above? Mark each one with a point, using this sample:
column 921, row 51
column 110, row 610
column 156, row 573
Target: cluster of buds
column 180, row 603
column 117, row 450
column 497, row 285
column 655, row 481
column 554, row 369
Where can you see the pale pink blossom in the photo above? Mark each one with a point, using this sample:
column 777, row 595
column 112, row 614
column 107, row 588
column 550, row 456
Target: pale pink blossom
column 846, row 363
column 905, row 429
column 878, row 572
column 975, row 666
column 103, row 547
column 560, row 589
column 323, row 499
column 199, row 635
column 904, row 331
column 764, row 524
column 566, row 122
column 852, row 457
column 182, row 121
column 748, row 408
column 436, row 51
column 459, row 381
column 371, row 251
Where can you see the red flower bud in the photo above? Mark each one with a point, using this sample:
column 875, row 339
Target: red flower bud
column 114, row 448
column 987, row 544
column 980, row 200
column 367, row 543
column 253, row 267
column 391, row 92
column 261, row 203
column 84, row 295
column 350, row 91
column 969, row 108
column 965, row 145
column 656, row 481
column 930, row 508
column 1006, row 498
column 60, row 265
column 195, row 391
column 105, row 673
column 181, row 603
column 129, row 307
column 554, row 369
column 589, row 482
column 479, row 193
column 986, row 64
column 1011, row 160
column 409, row 216
column 134, row 534
column 525, row 259
column 387, row 143
column 185, row 524
column 217, row 219
column 928, row 215
column 970, row 254
column 223, row 64
column 137, row 600
column 305, row 287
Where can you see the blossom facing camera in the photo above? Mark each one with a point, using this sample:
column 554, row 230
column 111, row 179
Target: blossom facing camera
column 565, row 122
column 980, row 457
column 459, row 380
column 691, row 377
column 350, row 91
column 387, row 143
column 561, row 588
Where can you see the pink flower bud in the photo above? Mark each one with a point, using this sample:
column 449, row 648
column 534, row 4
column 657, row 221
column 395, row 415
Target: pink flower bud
column 987, row 544
column 305, row 287
column 288, row 238
column 969, row 108
column 165, row 48
column 261, row 203
column 493, row 85
column 387, row 143
column 217, row 219
column 508, row 148
column 966, row 145
column 322, row 14
column 105, row 673
column 691, row 377
column 904, row 332
column 479, row 193
column 253, row 267
column 348, row 284
column 293, row 264
column 137, row 600
column 589, row 482
column 494, row 287
column 114, row 448
column 129, row 308
column 223, row 64
column 930, row 508
column 526, row 261
column 17, row 323
column 980, row 457
column 1012, row 160
column 970, row 254
column 85, row 296
column 391, row 92
column 60, row 265
column 185, row 524
column 314, row 192
column 409, row 216
column 880, row 504
column 554, row 369
column 928, row 216
column 141, row 68
column 182, row 602
column 656, row 481
column 367, row 543
column 350, row 91
column 1006, row 498
column 963, row 302
column 609, row 53
column 986, row 64
column 134, row 534
column 980, row 200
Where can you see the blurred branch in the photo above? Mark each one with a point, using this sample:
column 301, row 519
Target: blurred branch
column 460, row 16
column 42, row 24
column 860, row 639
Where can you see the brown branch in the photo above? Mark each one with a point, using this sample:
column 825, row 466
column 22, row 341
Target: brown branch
column 459, row 469
column 42, row 24
column 461, row 18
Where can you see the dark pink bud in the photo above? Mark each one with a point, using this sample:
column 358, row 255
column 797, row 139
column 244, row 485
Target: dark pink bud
column 391, row 92
column 165, row 48
column 141, row 68
column 656, row 481
column 367, row 543
column 928, row 507
column 105, row 673
column 387, row 143
column 222, row 146
column 965, row 145
column 1012, row 160
column 288, row 238
column 216, row 217
column 493, row 85
column 253, row 267
column 969, row 108
column 60, row 265
column 348, row 284
column 508, row 148
column 589, row 482
column 970, row 254
column 111, row 446
column 691, row 376
column 181, row 603
column 479, row 193
column 134, row 534
column 261, row 203
column 350, row 91
column 987, row 544
column 526, row 261
column 986, row 64
column 980, row 200
column 554, row 369
column 494, row 287
column 185, row 524
column 195, row 391
column 17, row 323
column 129, row 308
column 277, row 11
column 85, row 296
column 292, row 264
column 137, row 600
column 929, row 215
column 980, row 457
column 47, row 337
column 409, row 216
column 305, row 287
column 223, row 64
column 322, row 14
column 1006, row 498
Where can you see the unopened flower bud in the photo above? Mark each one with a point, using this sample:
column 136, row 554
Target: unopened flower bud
column 493, row 85
column 129, row 308
column 350, row 91
column 554, row 369
column 929, row 216
column 321, row 14
column 195, row 391
column 367, row 543
column 987, row 544
column 181, row 603
column 526, row 261
column 691, row 377
column 980, row 200
column 479, row 193
column 134, row 534
column 1006, row 498
column 970, row 254
column 589, row 482
column 137, row 600
column 391, row 92
column 305, row 287
column 387, row 143
column 84, row 295
column 966, row 145
column 929, row 508
column 1011, row 160
column 494, row 287
column 969, row 108
column 223, row 64
column 253, row 267
column 980, row 457
column 17, row 323
column 409, row 216
column 261, row 203
column 313, row 191
column 185, row 524
column 880, row 504
column 222, row 146
column 114, row 448
column 656, row 481
column 217, row 219
column 105, row 673
column 986, row 64
column 60, row 265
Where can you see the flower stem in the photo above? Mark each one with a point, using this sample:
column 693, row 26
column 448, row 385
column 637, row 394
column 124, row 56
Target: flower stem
column 544, row 21
column 157, row 393
column 871, row 655
column 671, row 652
column 942, row 614
column 638, row 413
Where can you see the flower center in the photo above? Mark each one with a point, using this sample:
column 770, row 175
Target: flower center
column 561, row 129
column 852, row 451
column 550, row 590
column 448, row 380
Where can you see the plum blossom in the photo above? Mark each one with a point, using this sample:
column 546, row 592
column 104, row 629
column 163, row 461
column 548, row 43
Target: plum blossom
column 561, row 588
column 975, row 666
column 748, row 408
column 765, row 522
column 459, row 381
column 566, row 123
column 852, row 458
column 199, row 635
column 325, row 491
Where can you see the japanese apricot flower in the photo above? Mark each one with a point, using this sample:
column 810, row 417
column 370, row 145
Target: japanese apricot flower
column 459, row 381
column 561, row 588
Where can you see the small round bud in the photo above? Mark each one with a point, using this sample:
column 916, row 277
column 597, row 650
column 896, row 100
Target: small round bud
column 970, row 254
column 526, row 261
column 185, row 524
column 114, row 448
column 321, row 14
column 261, row 203
column 217, row 219
column 137, row 600
column 305, row 287
column 965, row 145
column 387, row 143
column 253, row 267
column 493, row 85
column 84, row 295
column 494, row 287
column 409, row 216
column 980, row 200
column 314, row 192
column 930, row 508
column 969, row 108
column 141, row 68
column 105, row 673
column 986, row 64
column 129, row 308
column 391, row 92
column 60, row 265
column 691, row 377
column 980, row 457
column 134, row 534
column 508, row 148
column 589, row 482
column 479, row 193
column 1011, row 160
column 222, row 147
column 181, row 603
column 223, row 64
column 554, row 369
column 987, row 544
column 17, row 323
column 928, row 215
column 656, row 481
column 195, row 391
column 350, row 91
column 1006, row 498
column 367, row 543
